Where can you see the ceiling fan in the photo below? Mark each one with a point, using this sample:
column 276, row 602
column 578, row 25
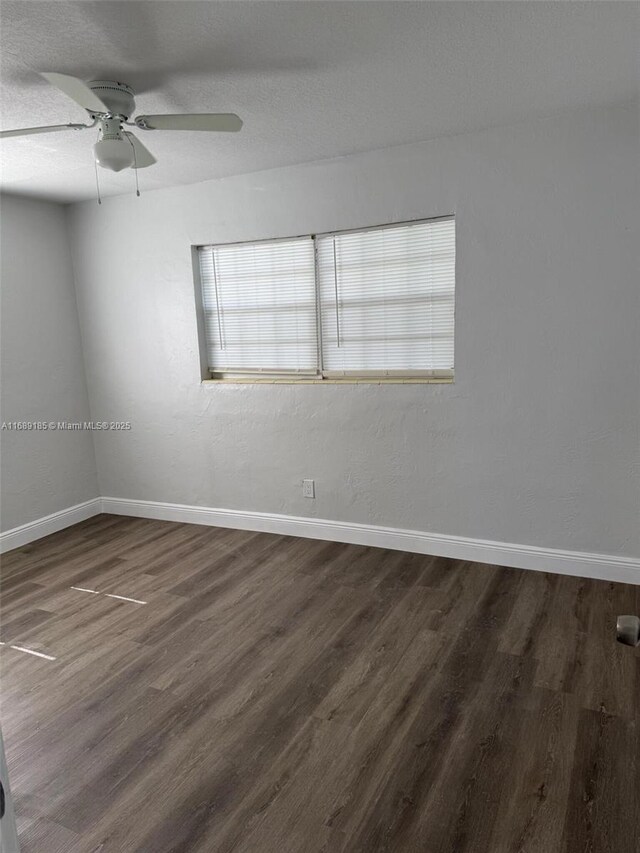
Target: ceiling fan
column 110, row 106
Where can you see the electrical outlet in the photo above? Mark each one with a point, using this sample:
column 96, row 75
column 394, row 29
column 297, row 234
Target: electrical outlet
column 308, row 489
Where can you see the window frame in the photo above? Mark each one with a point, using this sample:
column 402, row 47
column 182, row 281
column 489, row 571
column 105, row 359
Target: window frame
column 320, row 376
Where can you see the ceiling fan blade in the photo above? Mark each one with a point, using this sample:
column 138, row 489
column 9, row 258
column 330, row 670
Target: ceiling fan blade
column 52, row 128
column 77, row 90
column 144, row 157
column 191, row 121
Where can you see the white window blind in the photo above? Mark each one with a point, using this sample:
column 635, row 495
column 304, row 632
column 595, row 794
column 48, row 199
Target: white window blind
column 376, row 302
column 259, row 301
column 387, row 299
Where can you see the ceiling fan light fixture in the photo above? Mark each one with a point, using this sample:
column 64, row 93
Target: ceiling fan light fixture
column 114, row 154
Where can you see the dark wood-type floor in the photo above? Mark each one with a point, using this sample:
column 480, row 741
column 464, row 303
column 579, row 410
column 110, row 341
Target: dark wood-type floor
column 282, row 695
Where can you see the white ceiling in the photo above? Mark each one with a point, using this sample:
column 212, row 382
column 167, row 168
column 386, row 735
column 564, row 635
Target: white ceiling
column 310, row 79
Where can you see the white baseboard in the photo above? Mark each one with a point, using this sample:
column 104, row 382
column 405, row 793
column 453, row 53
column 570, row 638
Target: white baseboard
column 583, row 564
column 19, row 536
column 603, row 566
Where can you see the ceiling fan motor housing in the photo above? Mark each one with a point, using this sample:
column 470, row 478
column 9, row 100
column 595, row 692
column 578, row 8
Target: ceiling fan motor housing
column 117, row 97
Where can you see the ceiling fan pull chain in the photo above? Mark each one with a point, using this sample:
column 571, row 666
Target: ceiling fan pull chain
column 135, row 164
column 135, row 168
column 95, row 164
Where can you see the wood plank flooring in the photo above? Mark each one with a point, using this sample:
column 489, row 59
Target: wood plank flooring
column 283, row 695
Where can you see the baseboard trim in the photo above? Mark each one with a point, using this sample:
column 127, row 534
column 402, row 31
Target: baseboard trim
column 19, row 536
column 590, row 565
column 580, row 563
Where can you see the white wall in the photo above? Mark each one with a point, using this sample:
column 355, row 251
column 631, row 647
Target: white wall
column 536, row 443
column 42, row 369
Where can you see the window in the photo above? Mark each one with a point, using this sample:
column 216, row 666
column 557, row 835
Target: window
column 259, row 304
column 374, row 303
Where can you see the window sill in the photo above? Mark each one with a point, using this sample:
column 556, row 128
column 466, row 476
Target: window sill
column 425, row 380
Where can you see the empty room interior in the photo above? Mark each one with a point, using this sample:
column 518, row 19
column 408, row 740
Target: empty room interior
column 320, row 427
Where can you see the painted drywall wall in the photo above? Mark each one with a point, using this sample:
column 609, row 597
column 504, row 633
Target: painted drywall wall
column 42, row 371
column 536, row 442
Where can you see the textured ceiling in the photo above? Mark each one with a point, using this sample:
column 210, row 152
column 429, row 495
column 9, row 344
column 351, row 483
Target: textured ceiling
column 310, row 79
